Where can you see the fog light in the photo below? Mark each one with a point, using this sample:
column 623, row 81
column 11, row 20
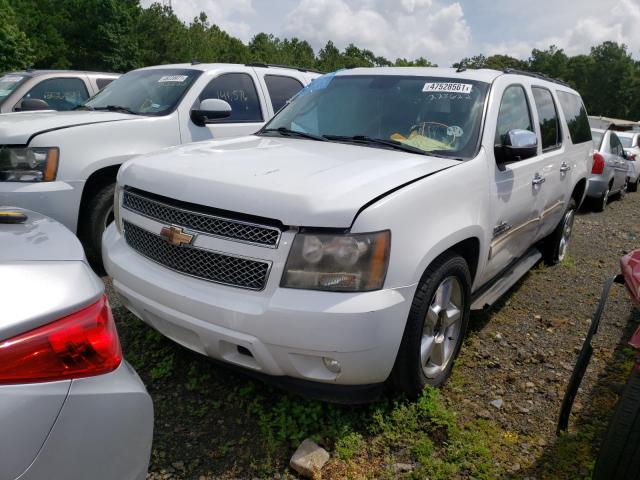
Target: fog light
column 332, row 364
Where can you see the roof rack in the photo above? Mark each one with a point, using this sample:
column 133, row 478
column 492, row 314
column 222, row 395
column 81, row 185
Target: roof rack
column 274, row 65
column 538, row 75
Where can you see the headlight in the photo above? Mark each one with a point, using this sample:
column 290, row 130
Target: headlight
column 343, row 263
column 116, row 207
column 28, row 164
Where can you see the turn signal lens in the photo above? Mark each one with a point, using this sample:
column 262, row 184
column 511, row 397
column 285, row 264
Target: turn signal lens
column 598, row 164
column 82, row 344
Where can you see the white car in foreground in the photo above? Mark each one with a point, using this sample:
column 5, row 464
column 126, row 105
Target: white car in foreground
column 64, row 164
column 345, row 243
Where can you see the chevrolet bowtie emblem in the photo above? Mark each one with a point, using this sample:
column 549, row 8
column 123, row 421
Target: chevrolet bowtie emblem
column 175, row 236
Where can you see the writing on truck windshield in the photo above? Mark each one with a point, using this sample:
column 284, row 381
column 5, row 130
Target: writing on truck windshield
column 440, row 116
column 145, row 92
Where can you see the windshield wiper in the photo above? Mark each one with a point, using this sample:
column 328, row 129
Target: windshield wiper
column 83, row 107
column 117, row 108
column 377, row 141
column 287, row 132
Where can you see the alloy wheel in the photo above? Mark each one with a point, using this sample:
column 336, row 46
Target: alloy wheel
column 441, row 327
column 567, row 229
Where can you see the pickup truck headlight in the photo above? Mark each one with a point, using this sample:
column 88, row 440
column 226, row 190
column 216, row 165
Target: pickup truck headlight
column 30, row 164
column 341, row 263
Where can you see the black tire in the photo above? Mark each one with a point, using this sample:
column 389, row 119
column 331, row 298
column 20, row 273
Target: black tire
column 623, row 191
column 619, row 456
column 551, row 247
column 633, row 187
column 408, row 376
column 97, row 214
column 600, row 203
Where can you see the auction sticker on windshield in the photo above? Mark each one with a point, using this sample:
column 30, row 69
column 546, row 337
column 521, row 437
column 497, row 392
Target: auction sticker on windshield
column 447, row 87
column 10, row 79
column 173, row 78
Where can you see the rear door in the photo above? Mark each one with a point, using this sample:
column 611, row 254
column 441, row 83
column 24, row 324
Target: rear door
column 518, row 187
column 555, row 167
column 618, row 162
column 279, row 87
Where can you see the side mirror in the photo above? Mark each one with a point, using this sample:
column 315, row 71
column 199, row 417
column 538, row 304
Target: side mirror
column 210, row 109
column 30, row 104
column 516, row 145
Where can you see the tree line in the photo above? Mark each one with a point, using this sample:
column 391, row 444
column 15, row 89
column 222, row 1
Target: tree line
column 120, row 35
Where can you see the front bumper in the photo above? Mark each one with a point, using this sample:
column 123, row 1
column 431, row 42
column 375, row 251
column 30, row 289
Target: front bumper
column 58, row 200
column 104, row 426
column 633, row 171
column 280, row 332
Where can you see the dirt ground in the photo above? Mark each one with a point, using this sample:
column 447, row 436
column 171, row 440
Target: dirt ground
column 212, row 422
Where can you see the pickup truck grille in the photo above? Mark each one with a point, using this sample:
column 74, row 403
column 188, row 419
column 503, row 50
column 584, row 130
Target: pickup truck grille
column 196, row 262
column 202, row 222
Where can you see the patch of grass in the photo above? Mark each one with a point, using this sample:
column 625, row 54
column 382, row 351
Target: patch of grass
column 569, row 263
column 349, row 445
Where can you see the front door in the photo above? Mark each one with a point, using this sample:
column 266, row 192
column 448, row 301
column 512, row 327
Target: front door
column 518, row 187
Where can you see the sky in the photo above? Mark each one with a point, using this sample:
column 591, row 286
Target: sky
column 442, row 31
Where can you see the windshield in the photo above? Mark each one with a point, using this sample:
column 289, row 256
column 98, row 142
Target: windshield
column 597, row 138
column 145, row 92
column 441, row 116
column 626, row 141
column 8, row 83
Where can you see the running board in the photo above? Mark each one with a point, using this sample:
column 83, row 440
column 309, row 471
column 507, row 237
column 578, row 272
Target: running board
column 487, row 296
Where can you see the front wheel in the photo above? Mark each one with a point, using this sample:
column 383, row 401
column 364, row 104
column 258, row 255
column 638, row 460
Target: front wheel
column 620, row 450
column 436, row 326
column 555, row 247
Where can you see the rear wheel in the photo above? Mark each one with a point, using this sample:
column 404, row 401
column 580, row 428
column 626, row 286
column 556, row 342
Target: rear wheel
column 436, row 326
column 619, row 456
column 555, row 247
column 601, row 203
column 98, row 214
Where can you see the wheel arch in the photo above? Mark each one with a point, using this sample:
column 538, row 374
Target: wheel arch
column 95, row 182
column 579, row 192
column 468, row 247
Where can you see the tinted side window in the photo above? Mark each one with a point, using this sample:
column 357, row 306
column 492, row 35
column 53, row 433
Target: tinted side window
column 576, row 116
column 281, row 89
column 60, row 93
column 514, row 112
column 239, row 90
column 548, row 118
column 616, row 146
column 103, row 82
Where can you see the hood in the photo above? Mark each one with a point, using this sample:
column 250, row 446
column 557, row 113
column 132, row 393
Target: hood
column 19, row 128
column 296, row 181
column 38, row 239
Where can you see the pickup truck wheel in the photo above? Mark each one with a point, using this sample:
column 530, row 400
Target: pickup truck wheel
column 98, row 215
column 554, row 248
column 619, row 455
column 436, row 326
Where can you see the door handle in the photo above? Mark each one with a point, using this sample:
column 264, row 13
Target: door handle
column 564, row 168
column 538, row 180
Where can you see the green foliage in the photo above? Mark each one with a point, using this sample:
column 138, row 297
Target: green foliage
column 15, row 48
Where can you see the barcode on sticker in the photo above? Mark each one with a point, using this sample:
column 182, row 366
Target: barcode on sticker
column 447, row 87
column 173, row 78
column 10, row 79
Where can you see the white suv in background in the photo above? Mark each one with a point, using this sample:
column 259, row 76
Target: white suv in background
column 345, row 243
column 64, row 164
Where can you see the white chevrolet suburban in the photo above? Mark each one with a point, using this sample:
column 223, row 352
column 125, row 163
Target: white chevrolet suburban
column 342, row 246
column 64, row 164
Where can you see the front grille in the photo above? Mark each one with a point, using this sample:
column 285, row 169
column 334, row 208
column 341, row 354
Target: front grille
column 202, row 222
column 205, row 264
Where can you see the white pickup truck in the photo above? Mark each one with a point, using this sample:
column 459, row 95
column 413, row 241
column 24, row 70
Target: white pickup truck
column 344, row 244
column 64, row 164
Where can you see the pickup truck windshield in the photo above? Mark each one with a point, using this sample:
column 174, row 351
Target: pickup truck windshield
column 8, row 83
column 145, row 92
column 431, row 115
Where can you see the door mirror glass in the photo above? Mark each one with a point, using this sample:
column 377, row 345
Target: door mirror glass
column 30, row 104
column 210, row 109
column 517, row 144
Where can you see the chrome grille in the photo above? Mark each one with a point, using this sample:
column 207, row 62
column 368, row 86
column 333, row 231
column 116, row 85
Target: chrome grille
column 205, row 264
column 202, row 222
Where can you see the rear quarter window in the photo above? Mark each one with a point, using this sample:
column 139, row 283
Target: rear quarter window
column 576, row 116
column 103, row 82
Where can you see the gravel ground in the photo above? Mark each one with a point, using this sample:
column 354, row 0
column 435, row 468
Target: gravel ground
column 520, row 352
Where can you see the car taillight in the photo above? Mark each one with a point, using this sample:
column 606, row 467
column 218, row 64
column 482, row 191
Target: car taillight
column 598, row 164
column 631, row 157
column 82, row 344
